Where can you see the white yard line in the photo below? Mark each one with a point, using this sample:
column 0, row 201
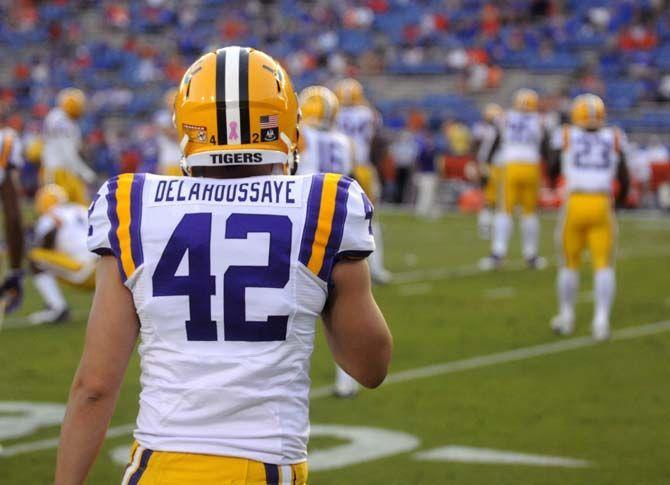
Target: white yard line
column 415, row 289
column 469, row 454
column 445, row 368
column 509, row 356
column 455, row 272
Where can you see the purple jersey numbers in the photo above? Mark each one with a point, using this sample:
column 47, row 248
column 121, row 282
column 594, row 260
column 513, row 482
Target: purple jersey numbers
column 193, row 234
column 238, row 278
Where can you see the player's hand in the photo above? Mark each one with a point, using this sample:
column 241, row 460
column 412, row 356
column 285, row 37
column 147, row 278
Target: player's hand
column 11, row 290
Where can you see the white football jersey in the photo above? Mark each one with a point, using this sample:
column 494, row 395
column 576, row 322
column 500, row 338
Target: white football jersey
column 62, row 140
column 228, row 278
column 589, row 158
column 324, row 151
column 521, row 137
column 358, row 123
column 10, row 151
column 71, row 224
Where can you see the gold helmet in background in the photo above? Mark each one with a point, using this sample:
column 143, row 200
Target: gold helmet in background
column 349, row 92
column 236, row 106
column 72, row 101
column 588, row 111
column 318, row 106
column 48, row 196
column 492, row 111
column 526, row 100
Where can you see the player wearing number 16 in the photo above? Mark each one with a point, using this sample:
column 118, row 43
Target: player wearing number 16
column 591, row 156
column 222, row 275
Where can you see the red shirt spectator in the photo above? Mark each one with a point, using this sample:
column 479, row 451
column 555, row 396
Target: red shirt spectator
column 637, row 37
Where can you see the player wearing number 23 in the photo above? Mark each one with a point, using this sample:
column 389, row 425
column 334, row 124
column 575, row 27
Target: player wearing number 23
column 592, row 156
column 223, row 275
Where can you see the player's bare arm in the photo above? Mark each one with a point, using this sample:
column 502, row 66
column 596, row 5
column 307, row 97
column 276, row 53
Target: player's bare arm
column 357, row 333
column 110, row 339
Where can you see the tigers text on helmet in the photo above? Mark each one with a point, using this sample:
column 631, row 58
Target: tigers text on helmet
column 236, row 106
column 526, row 100
column 588, row 111
column 72, row 101
column 349, row 92
column 318, row 106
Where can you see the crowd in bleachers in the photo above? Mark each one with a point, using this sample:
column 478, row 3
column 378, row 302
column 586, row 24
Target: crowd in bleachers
column 125, row 55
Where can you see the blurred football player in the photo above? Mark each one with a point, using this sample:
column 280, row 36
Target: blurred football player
column 59, row 252
column 61, row 162
column 488, row 162
column 523, row 144
column 359, row 121
column 323, row 148
column 11, row 160
column 223, row 274
column 169, row 154
column 592, row 157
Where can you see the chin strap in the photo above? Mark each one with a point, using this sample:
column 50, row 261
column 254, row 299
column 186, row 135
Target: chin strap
column 293, row 158
column 185, row 170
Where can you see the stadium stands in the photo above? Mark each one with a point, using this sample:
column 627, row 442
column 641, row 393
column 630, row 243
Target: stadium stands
column 126, row 54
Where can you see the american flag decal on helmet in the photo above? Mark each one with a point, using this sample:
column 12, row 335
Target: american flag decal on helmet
column 270, row 121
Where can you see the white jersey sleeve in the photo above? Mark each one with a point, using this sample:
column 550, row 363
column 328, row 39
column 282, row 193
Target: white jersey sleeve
column 357, row 240
column 115, row 222
column 98, row 223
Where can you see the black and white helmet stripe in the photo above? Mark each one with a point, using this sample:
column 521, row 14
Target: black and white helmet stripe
column 232, row 96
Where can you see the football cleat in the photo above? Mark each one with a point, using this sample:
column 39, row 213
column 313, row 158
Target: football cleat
column 490, row 263
column 49, row 316
column 563, row 324
column 536, row 262
column 600, row 329
column 237, row 106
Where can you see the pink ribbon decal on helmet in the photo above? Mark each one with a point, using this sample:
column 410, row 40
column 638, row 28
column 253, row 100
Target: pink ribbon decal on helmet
column 232, row 131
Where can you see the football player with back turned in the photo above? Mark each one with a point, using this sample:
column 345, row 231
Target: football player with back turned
column 592, row 156
column 523, row 143
column 358, row 120
column 323, row 148
column 222, row 275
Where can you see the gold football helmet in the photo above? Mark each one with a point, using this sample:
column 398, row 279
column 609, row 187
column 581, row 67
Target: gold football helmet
column 349, row 92
column 237, row 106
column 48, row 196
column 588, row 111
column 318, row 106
column 526, row 100
column 492, row 111
column 72, row 101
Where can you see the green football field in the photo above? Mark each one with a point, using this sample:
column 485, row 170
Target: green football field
column 480, row 390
